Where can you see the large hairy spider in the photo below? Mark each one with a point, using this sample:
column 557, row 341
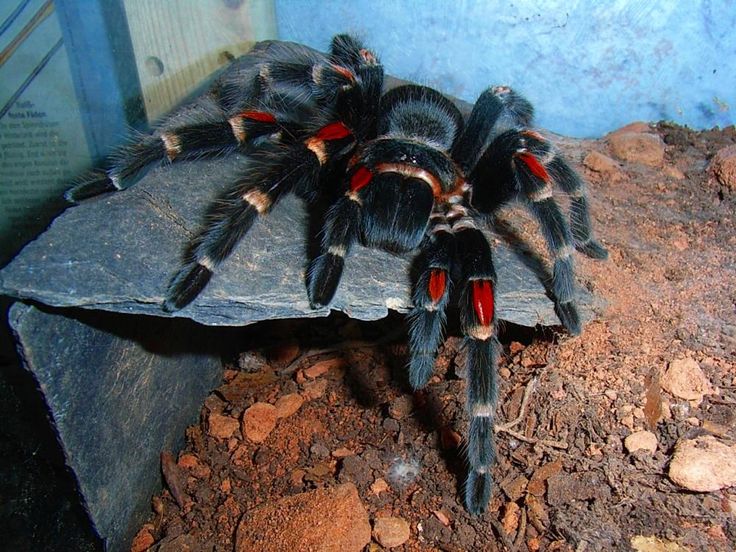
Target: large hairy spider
column 406, row 173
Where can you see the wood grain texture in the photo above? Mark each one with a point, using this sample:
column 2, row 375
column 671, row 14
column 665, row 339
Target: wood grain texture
column 178, row 44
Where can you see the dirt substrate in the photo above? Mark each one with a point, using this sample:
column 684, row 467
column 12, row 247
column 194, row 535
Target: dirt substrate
column 588, row 425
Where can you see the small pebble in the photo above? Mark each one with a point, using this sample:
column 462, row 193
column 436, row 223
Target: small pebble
column 390, row 532
column 221, row 427
column 641, row 440
column 258, row 421
column 143, row 540
column 401, row 407
column 288, row 405
column 323, row 367
column 703, row 464
column 685, row 380
column 647, row 149
column 379, row 486
column 315, row 389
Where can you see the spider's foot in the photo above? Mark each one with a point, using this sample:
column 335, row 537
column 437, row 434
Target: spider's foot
column 478, row 491
column 185, row 287
column 421, row 367
column 568, row 315
column 323, row 276
column 592, row 249
column 94, row 184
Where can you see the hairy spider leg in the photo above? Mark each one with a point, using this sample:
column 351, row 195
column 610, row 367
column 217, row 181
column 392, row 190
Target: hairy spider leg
column 183, row 142
column 496, row 110
column 273, row 172
column 478, row 321
column 569, row 181
column 430, row 297
column 515, row 167
column 268, row 105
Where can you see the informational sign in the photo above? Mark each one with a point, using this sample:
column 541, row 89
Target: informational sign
column 42, row 140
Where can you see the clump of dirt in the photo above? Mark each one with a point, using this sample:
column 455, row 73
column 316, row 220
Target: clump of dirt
column 332, row 405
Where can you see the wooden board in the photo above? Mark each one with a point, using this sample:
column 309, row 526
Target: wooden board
column 179, row 44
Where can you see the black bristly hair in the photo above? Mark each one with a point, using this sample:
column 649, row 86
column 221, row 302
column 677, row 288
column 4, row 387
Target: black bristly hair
column 401, row 171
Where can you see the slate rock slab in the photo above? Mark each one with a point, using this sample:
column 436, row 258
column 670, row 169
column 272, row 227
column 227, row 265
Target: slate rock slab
column 118, row 253
column 118, row 394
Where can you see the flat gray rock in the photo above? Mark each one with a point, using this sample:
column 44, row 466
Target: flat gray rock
column 119, row 390
column 118, row 253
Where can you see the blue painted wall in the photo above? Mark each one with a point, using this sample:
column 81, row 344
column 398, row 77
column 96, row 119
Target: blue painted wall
column 588, row 66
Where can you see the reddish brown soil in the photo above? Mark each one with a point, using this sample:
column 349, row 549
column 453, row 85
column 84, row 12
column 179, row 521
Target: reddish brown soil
column 565, row 480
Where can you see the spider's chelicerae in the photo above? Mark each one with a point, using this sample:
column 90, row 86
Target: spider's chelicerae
column 406, row 173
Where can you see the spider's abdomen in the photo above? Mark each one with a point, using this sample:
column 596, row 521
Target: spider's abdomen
column 396, row 212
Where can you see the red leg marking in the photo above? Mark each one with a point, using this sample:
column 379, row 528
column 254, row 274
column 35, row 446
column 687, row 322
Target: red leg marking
column 437, row 283
column 260, row 116
column 361, row 178
column 483, row 301
column 333, row 131
column 344, row 71
column 534, row 165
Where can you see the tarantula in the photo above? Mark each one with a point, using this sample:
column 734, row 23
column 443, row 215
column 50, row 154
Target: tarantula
column 404, row 172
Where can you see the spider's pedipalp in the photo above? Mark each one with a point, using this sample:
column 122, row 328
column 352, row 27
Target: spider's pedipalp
column 340, row 233
column 496, row 110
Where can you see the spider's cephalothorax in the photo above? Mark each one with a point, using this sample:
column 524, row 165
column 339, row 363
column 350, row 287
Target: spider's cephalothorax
column 410, row 175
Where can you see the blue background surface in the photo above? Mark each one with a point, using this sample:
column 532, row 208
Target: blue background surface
column 587, row 66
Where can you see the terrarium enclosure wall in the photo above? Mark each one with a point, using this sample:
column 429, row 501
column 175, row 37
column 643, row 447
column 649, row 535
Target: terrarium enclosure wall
column 318, row 415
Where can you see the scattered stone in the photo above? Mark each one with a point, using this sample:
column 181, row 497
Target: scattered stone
column 188, row 461
column 641, row 543
column 442, row 517
column 288, row 405
column 220, row 426
column 647, row 149
column 284, row 353
column 674, row 172
column 511, row 516
column 379, row 486
column 242, row 385
column 685, row 380
column 178, row 543
column 723, row 167
column 514, row 488
column 251, row 361
column 636, row 127
column 390, row 532
column 537, row 482
column 331, row 520
column 314, row 390
column 564, row 488
column 342, row 452
column 357, row 470
column 143, row 539
column 703, row 464
column 604, row 165
column 259, row 421
column 401, row 407
column 641, row 440
column 323, row 367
